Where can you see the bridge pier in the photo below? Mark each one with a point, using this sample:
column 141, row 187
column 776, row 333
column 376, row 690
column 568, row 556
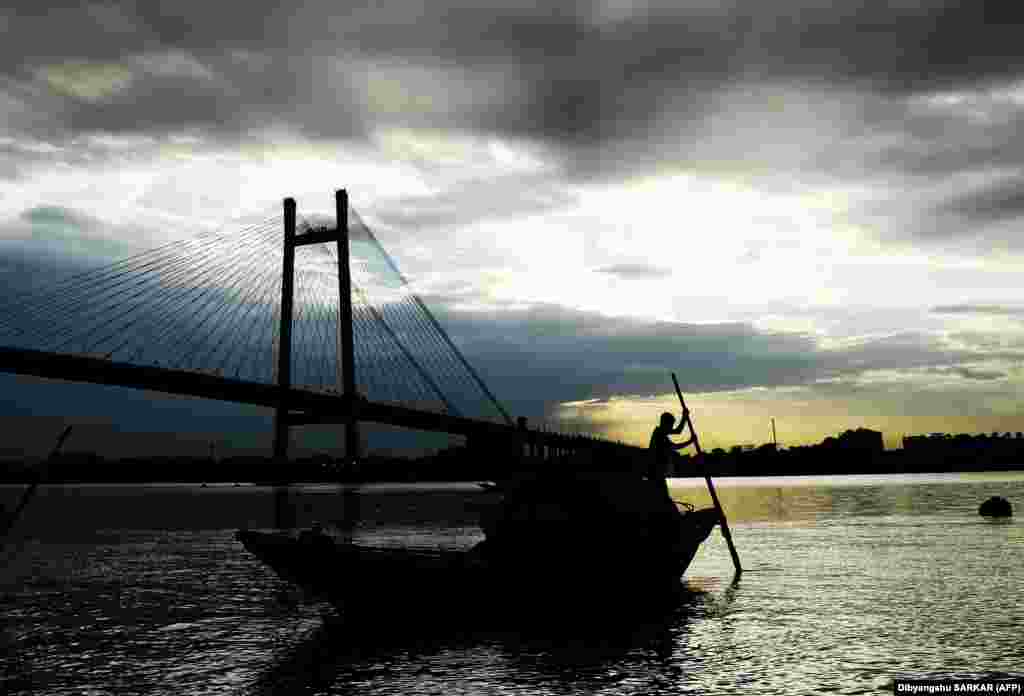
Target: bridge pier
column 283, row 419
column 284, row 517
column 284, row 349
column 346, row 349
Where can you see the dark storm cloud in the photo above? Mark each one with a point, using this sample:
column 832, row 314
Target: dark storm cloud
column 595, row 78
column 944, row 142
column 576, row 75
column 544, row 355
column 208, row 66
column 1004, row 201
column 907, row 47
column 222, row 96
column 724, row 88
column 908, row 350
column 547, row 355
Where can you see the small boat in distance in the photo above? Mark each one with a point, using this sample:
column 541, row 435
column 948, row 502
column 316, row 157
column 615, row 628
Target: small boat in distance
column 556, row 540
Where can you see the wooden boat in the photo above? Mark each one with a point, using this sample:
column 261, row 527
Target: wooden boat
column 551, row 540
column 613, row 526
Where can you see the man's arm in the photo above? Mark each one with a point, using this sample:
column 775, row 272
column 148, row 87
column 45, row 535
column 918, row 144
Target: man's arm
column 683, row 421
column 681, row 445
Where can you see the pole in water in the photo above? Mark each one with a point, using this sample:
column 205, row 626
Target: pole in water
column 724, row 524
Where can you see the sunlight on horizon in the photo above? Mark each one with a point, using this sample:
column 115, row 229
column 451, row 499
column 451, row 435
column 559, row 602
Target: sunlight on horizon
column 803, row 416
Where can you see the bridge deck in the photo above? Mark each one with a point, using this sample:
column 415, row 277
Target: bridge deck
column 305, row 407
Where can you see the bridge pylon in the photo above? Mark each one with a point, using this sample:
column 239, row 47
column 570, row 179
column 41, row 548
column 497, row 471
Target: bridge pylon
column 346, row 352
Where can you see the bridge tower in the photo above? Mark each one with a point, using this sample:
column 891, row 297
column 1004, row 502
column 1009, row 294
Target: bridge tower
column 347, row 376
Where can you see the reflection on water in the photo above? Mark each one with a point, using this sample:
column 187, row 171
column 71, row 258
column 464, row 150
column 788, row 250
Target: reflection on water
column 850, row 583
column 589, row 657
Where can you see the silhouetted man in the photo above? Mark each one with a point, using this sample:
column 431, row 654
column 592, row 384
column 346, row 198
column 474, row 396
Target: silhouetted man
column 661, row 449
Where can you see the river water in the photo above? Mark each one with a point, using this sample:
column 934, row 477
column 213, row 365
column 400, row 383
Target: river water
column 850, row 583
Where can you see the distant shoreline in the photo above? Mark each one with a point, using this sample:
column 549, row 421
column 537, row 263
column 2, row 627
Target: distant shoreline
column 443, row 483
column 463, row 464
column 221, row 482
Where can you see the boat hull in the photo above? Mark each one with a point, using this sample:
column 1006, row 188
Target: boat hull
column 511, row 573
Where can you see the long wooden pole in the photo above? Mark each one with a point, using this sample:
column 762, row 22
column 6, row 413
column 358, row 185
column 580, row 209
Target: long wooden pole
column 711, row 486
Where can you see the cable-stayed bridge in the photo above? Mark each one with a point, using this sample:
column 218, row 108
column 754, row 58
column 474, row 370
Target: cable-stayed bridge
column 312, row 319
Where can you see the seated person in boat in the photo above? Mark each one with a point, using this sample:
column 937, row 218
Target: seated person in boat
column 661, row 449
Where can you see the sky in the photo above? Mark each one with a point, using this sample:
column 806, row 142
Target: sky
column 808, row 211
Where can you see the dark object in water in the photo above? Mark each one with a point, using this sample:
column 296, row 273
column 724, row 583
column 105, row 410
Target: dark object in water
column 552, row 542
column 996, row 507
